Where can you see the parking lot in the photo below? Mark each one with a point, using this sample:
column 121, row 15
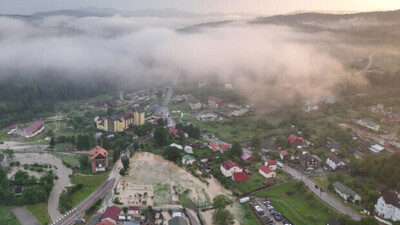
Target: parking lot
column 267, row 213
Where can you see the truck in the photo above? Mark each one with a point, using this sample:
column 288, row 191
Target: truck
column 245, row 199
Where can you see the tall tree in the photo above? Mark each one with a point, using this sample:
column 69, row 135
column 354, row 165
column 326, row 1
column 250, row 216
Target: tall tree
column 222, row 217
column 160, row 135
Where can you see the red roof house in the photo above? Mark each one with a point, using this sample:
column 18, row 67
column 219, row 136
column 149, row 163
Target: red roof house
column 99, row 158
column 266, row 171
column 214, row 147
column 105, row 222
column 271, row 164
column 246, row 156
column 173, row 131
column 228, row 168
column 229, row 164
column 111, row 214
column 215, row 102
column 224, row 146
column 133, row 210
column 295, row 140
column 239, row 177
column 34, row 126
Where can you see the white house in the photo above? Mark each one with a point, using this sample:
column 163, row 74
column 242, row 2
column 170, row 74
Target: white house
column 335, row 162
column 388, row 205
column 346, row 193
column 133, row 210
column 188, row 149
column 176, row 146
column 229, row 167
column 194, row 104
column 266, row 171
column 271, row 164
column 188, row 160
column 376, row 148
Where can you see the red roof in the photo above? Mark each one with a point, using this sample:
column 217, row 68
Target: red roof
column 12, row 126
column 265, row 169
column 173, row 130
column 105, row 222
column 271, row 162
column 285, row 153
column 224, row 146
column 34, row 126
column 216, row 100
column 229, row 164
column 98, row 151
column 134, row 208
column 112, row 213
column 293, row 138
column 214, row 145
column 239, row 176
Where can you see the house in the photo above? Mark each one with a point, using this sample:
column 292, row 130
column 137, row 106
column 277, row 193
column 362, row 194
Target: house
column 246, row 156
column 346, row 193
column 309, row 161
column 138, row 114
column 239, row 177
column 173, row 131
column 176, row 146
column 284, row 155
column 99, row 159
column 223, row 147
column 390, row 118
column 188, row 160
column 194, row 104
column 34, row 129
column 295, row 140
column 332, row 221
column 358, row 154
column 197, row 145
column 229, row 167
column 388, row 205
column 368, row 124
column 111, row 214
column 206, row 159
column 105, row 222
column 18, row 190
column 177, row 220
column 335, row 162
column 12, row 128
column 266, row 171
column 215, row 102
column 331, row 146
column 376, row 148
column 179, row 214
column 214, row 147
column 133, row 210
column 188, row 149
column 271, row 164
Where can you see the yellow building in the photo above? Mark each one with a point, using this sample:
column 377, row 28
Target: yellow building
column 114, row 123
column 138, row 115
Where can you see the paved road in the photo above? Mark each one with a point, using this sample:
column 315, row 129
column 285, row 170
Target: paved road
column 79, row 210
column 323, row 195
column 24, row 216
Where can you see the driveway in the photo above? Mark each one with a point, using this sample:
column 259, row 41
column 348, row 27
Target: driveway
column 24, row 216
column 323, row 195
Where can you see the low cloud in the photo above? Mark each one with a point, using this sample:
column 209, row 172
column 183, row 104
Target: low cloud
column 263, row 62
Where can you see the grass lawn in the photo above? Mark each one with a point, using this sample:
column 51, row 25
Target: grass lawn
column 254, row 181
column 249, row 217
column 68, row 158
column 90, row 183
column 39, row 211
column 6, row 217
column 301, row 208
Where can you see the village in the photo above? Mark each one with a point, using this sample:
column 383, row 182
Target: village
column 157, row 173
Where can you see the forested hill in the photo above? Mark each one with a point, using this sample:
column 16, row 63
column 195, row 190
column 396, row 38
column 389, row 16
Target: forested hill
column 301, row 18
column 26, row 98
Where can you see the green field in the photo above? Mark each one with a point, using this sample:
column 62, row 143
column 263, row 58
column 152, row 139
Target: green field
column 6, row 217
column 39, row 211
column 68, row 158
column 90, row 183
column 302, row 208
column 249, row 217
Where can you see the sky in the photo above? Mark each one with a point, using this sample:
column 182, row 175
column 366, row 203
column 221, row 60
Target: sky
column 265, row 7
